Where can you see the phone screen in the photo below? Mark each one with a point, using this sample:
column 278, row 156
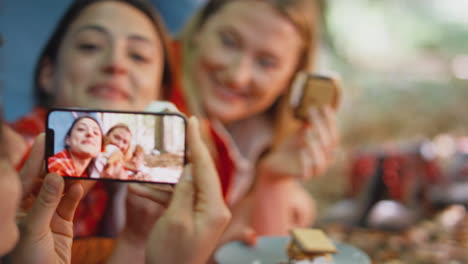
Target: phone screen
column 118, row 146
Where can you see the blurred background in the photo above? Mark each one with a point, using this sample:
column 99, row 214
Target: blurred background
column 403, row 120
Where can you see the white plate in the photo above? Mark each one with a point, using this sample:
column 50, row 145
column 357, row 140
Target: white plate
column 272, row 250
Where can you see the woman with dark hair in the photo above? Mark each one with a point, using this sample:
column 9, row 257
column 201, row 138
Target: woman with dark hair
column 103, row 54
column 83, row 143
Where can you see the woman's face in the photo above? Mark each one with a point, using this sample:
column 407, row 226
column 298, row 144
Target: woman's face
column 85, row 139
column 111, row 58
column 246, row 56
column 10, row 191
column 121, row 138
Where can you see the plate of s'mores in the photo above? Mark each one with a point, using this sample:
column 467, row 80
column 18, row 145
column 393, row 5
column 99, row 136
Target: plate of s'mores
column 302, row 246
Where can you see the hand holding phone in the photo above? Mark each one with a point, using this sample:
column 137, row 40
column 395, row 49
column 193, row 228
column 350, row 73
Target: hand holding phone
column 310, row 90
column 116, row 145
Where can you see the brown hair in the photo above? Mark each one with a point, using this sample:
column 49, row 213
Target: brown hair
column 51, row 49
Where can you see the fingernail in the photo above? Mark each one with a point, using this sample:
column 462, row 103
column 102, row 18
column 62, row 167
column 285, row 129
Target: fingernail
column 52, row 184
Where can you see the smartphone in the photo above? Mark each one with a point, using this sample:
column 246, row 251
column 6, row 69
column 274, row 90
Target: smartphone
column 116, row 145
column 314, row 90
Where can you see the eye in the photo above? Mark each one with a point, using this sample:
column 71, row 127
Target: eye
column 88, row 47
column 267, row 62
column 228, row 40
column 139, row 57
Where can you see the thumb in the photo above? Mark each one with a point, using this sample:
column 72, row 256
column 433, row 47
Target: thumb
column 46, row 203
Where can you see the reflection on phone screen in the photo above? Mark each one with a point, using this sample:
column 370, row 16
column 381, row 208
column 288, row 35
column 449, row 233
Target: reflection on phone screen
column 143, row 147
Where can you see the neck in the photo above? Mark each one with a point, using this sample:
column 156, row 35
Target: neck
column 80, row 163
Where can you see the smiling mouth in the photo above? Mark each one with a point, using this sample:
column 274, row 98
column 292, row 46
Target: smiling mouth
column 225, row 93
column 109, row 92
column 87, row 142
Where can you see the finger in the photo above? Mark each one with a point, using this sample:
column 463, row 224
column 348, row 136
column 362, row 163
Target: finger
column 330, row 128
column 314, row 159
column 306, row 158
column 34, row 166
column 321, row 133
column 205, row 176
column 183, row 198
column 69, row 203
column 160, row 196
column 46, row 203
column 320, row 158
column 159, row 187
column 87, row 185
column 331, row 124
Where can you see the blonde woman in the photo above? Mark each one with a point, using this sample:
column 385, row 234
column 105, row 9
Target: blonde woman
column 238, row 59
